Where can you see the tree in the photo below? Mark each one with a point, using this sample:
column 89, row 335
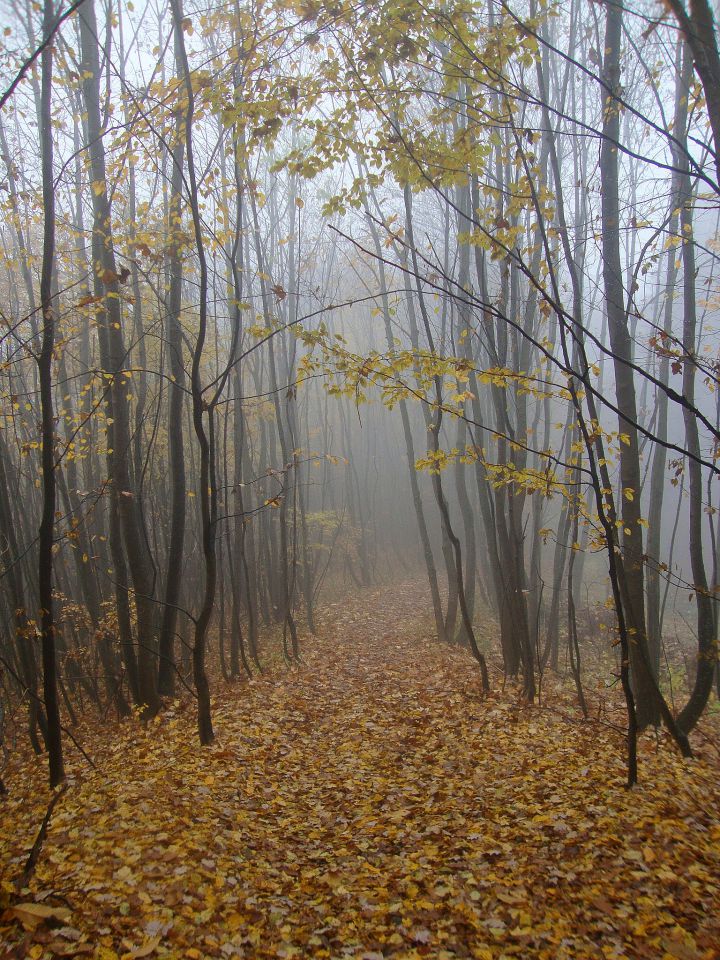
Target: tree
column 45, row 363
column 125, row 509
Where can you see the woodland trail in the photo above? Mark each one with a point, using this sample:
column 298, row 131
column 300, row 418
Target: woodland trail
column 369, row 804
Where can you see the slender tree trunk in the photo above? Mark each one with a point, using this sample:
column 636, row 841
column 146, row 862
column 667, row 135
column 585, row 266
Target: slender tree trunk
column 45, row 360
column 410, row 454
column 176, row 445
column 630, row 509
column 707, row 648
column 659, row 459
column 207, row 488
column 455, row 558
column 114, row 362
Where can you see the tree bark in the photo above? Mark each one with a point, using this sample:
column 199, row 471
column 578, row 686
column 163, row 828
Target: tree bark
column 630, row 512
column 45, row 360
column 114, row 363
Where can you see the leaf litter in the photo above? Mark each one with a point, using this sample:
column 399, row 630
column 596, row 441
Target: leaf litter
column 368, row 804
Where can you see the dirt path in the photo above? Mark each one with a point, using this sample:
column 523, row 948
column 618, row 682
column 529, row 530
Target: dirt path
column 370, row 805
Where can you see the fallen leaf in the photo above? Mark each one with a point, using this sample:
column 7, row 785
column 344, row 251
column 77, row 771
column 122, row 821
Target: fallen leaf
column 31, row 915
column 144, row 951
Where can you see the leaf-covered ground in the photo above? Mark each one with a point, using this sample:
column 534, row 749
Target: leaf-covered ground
column 367, row 805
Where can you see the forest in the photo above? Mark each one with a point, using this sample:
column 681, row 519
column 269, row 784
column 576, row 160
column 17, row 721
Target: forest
column 359, row 464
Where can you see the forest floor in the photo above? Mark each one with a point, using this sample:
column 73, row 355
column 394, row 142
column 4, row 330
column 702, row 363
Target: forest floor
column 368, row 804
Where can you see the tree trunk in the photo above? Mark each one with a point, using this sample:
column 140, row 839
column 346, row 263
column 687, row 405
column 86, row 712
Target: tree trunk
column 630, row 511
column 45, row 360
column 114, row 362
column 176, row 451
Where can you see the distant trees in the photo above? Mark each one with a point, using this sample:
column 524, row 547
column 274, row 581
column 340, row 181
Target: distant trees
column 525, row 228
column 230, row 228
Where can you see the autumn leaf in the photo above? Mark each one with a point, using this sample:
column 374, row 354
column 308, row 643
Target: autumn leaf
column 65, row 948
column 149, row 947
column 86, row 301
column 31, row 915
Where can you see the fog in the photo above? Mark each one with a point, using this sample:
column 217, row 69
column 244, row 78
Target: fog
column 298, row 300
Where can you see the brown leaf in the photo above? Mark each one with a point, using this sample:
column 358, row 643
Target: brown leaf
column 144, row 951
column 63, row 948
column 31, row 915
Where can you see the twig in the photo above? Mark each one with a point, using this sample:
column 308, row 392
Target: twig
column 87, row 757
column 36, row 849
column 37, row 51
